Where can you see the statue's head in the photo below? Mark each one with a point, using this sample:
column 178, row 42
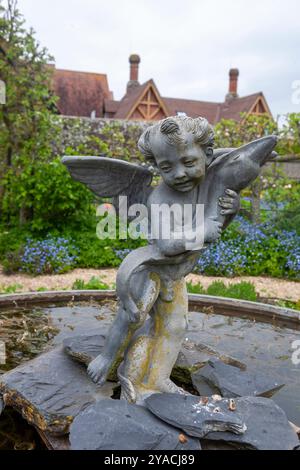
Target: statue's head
column 180, row 148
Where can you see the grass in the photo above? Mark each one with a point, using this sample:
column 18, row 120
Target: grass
column 11, row 289
column 241, row 290
column 94, row 283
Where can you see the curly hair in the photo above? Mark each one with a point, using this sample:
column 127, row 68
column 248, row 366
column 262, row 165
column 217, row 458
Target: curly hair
column 175, row 129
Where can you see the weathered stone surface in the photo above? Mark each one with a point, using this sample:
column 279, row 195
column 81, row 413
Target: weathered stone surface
column 118, row 425
column 266, row 426
column 50, row 391
column 85, row 347
column 195, row 355
column 231, row 382
column 196, row 416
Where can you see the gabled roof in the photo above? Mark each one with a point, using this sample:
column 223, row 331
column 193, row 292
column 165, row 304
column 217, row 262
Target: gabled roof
column 233, row 108
column 212, row 111
column 135, row 100
column 129, row 100
column 84, row 94
column 80, row 93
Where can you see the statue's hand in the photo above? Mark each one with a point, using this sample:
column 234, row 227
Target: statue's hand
column 230, row 202
column 212, row 230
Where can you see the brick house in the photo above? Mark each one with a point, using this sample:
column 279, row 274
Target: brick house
column 87, row 94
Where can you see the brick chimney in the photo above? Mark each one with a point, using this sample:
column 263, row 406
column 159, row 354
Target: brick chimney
column 134, row 61
column 233, row 84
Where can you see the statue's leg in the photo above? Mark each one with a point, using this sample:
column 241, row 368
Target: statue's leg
column 154, row 350
column 169, row 328
column 145, row 289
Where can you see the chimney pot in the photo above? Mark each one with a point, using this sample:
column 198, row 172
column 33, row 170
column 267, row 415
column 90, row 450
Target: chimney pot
column 134, row 61
column 233, row 83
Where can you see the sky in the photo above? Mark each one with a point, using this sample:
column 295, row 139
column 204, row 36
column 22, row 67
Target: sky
column 186, row 46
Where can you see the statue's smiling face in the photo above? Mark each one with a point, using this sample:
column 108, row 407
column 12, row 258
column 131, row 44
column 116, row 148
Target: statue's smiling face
column 182, row 167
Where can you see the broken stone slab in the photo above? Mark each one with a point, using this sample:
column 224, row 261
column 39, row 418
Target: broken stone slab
column 267, row 426
column 194, row 415
column 231, row 382
column 87, row 346
column 84, row 348
column 195, row 355
column 50, row 391
column 256, row 422
column 119, row 425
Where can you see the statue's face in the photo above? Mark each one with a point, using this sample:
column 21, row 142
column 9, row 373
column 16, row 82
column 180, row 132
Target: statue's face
column 182, row 167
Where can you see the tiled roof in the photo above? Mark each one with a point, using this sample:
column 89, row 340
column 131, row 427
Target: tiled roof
column 111, row 106
column 233, row 108
column 80, row 93
column 194, row 108
column 213, row 112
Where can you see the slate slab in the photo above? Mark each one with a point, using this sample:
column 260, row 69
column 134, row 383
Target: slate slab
column 194, row 355
column 197, row 416
column 85, row 347
column 51, row 390
column 118, row 425
column 267, row 427
column 231, row 382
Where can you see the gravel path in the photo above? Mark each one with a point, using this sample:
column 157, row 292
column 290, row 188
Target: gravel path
column 266, row 287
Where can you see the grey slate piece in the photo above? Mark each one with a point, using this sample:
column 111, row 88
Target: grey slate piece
column 231, row 382
column 118, row 425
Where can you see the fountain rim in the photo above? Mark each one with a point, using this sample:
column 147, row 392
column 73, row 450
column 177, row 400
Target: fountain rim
column 262, row 312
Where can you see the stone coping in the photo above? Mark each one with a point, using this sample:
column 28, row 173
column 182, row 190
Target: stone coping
column 219, row 305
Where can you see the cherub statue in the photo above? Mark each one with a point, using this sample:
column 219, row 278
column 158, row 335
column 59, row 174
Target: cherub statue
column 151, row 321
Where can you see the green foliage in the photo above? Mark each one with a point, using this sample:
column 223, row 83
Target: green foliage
column 289, row 304
column 94, row 283
column 11, row 289
column 230, row 133
column 122, row 141
column 27, row 127
column 93, row 146
column 241, row 290
column 283, row 198
column 95, row 253
column 289, row 143
column 195, row 288
column 50, row 195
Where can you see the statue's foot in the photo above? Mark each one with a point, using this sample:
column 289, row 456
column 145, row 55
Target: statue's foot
column 98, row 369
column 167, row 386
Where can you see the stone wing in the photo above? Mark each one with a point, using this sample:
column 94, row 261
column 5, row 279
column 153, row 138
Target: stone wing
column 108, row 177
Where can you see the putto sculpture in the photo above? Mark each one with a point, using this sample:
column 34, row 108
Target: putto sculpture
column 146, row 335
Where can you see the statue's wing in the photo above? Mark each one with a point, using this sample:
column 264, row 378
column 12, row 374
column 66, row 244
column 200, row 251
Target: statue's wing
column 108, row 177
